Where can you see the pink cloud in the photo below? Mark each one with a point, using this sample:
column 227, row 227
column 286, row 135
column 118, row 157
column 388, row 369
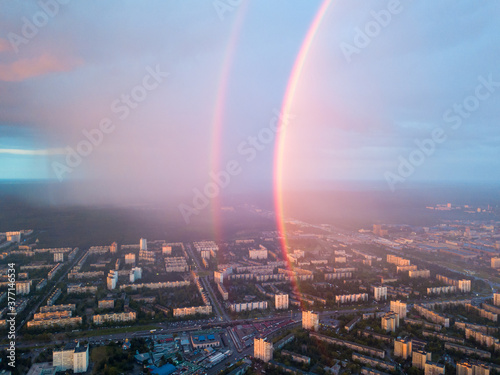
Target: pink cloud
column 23, row 69
column 4, row 45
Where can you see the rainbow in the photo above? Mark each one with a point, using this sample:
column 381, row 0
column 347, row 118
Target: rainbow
column 285, row 109
column 217, row 123
column 279, row 152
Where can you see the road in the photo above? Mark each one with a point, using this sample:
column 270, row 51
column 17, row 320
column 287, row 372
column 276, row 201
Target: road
column 213, row 298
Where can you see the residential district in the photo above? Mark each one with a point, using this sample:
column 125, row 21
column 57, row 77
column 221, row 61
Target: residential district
column 391, row 299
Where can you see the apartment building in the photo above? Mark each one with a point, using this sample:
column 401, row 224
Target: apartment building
column 185, row 311
column 114, row 317
column 262, row 349
column 402, row 348
column 379, row 293
column 281, row 301
column 71, row 357
column 399, row 308
column 390, row 322
column 310, row 320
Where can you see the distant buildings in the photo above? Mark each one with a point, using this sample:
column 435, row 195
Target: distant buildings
column 71, row 357
column 53, row 297
column 143, row 244
column 147, row 256
column 310, row 320
column 81, row 289
column 402, row 348
column 51, row 308
column 472, row 368
column 158, row 285
column 495, row 263
column 390, row 322
column 432, row 368
column 419, row 273
column 176, row 264
column 347, row 298
column 223, row 292
column 130, row 258
column 379, row 293
column 23, row 287
column 58, row 257
column 166, row 249
column 115, row 317
column 205, row 341
column 112, row 279
column 135, row 274
column 496, row 299
column 106, row 303
column 483, row 313
column 185, row 311
column 442, row 289
column 405, row 268
column 262, row 349
column 281, row 301
column 260, row 253
column 462, row 285
column 41, row 321
column 113, row 248
column 247, row 306
column 419, row 358
column 398, row 261
column 13, row 236
column 399, row 308
column 432, row 316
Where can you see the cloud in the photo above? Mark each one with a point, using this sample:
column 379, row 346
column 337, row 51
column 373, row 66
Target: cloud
column 4, row 45
column 24, row 69
column 48, row 151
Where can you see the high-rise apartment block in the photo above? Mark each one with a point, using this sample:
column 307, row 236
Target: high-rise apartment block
column 260, row 253
column 130, row 258
column 310, row 320
column 262, row 349
column 112, row 279
column 495, row 263
column 379, row 293
column 281, row 301
column 23, row 287
column 166, row 249
column 390, row 322
column 399, row 308
column 71, row 357
column 472, row 368
column 419, row 359
column 398, row 261
column 402, row 348
column 496, row 299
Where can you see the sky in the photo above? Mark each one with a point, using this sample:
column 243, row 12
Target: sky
column 154, row 98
